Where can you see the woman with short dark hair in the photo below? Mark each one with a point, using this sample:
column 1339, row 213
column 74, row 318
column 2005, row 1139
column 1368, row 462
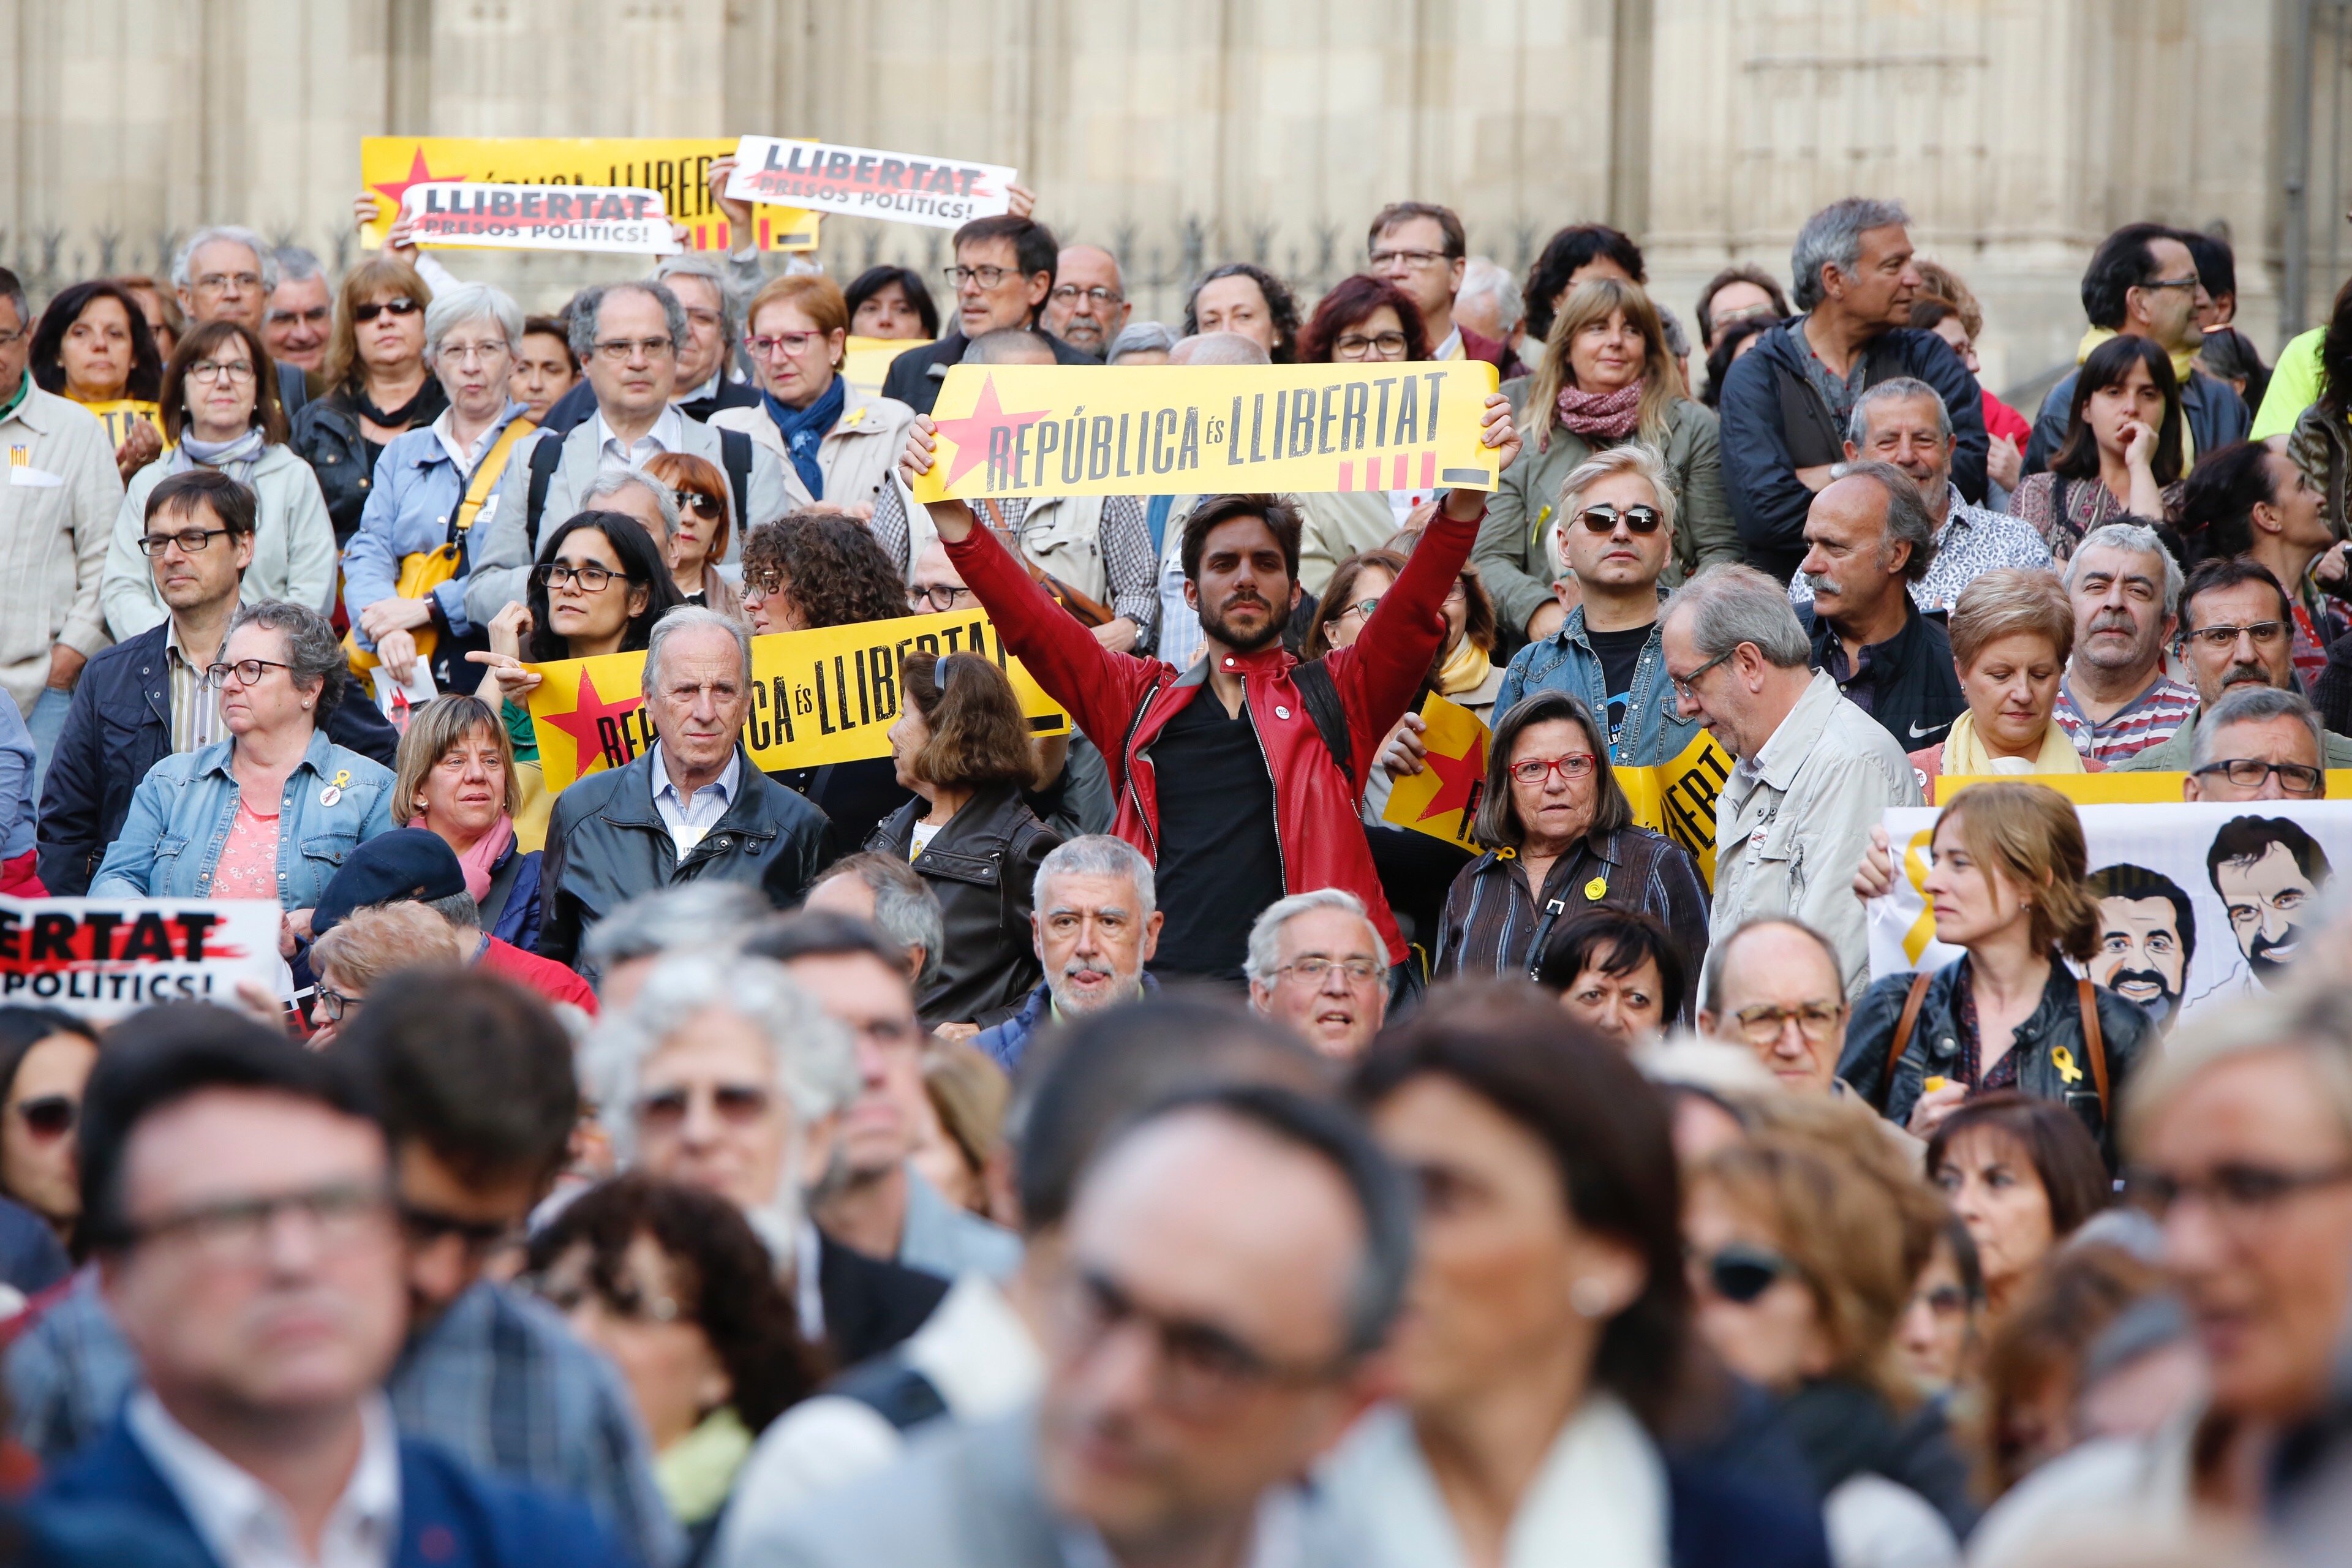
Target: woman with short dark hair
column 962, row 745
column 891, row 302
column 1616, row 972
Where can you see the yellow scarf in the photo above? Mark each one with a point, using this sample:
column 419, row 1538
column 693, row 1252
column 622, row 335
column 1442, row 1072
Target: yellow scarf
column 1464, row 670
column 695, row 1474
column 1965, row 754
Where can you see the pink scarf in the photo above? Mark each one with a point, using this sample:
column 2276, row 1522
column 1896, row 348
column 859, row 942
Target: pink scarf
column 476, row 862
column 1609, row 415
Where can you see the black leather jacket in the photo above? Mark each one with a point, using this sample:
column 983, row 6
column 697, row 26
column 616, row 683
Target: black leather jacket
column 1935, row 1045
column 983, row 867
column 606, row 843
column 327, row 436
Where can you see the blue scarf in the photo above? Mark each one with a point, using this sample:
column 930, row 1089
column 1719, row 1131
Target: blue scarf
column 804, row 428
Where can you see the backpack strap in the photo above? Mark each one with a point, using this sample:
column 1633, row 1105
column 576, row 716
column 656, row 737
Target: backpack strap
column 735, row 457
column 545, row 457
column 2094, row 1041
column 1320, row 695
column 1916, row 999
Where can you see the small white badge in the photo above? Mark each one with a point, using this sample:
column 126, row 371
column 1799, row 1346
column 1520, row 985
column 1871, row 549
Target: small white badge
column 1281, row 712
column 330, row 796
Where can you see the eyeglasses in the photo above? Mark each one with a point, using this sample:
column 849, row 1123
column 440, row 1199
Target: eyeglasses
column 623, row 1299
column 2237, row 1192
column 316, row 315
column 1098, row 297
column 1415, row 259
column 619, row 349
column 2295, row 778
column 191, row 540
column 236, row 1231
column 1740, row 1273
column 1761, row 1025
column 1682, row 684
column 476, row 353
column 428, row 1226
column 1363, row 607
column 2264, row 633
column 48, row 1116
column 237, row 372
column 986, row 277
column 218, row 282
column 1200, row 1369
column 1946, row 1301
column 2189, row 282
column 1535, row 770
column 402, row 306
column 334, row 1007
column 247, row 670
column 1600, row 517
column 764, row 584
column 699, row 504
column 589, row 578
column 936, row 597
column 1315, row 967
column 794, row 344
column 10, row 340
column 665, row 1109
column 1356, row 345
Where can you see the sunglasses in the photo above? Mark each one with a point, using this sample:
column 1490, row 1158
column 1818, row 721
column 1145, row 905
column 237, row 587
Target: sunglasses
column 404, row 306
column 49, row 1115
column 1602, row 518
column 1741, row 1273
column 665, row 1109
column 699, row 504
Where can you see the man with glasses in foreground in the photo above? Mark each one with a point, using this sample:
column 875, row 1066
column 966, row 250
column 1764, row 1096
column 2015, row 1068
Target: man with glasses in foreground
column 1774, row 988
column 1003, row 277
column 2237, row 632
column 1316, row 966
column 145, row 698
column 287, row 1293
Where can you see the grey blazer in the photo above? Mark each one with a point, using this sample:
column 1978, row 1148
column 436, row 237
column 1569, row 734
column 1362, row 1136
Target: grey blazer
column 500, row 549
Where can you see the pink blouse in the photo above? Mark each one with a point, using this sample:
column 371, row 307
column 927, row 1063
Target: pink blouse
column 247, row 868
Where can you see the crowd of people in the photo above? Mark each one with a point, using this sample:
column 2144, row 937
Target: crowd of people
column 1124, row 1146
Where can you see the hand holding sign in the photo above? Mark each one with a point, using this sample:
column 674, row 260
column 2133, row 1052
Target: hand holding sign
column 943, row 192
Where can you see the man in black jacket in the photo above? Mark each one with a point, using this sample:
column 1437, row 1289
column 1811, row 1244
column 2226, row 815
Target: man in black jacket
column 693, row 806
column 1867, row 539
column 1786, row 403
column 1004, row 274
column 144, row 699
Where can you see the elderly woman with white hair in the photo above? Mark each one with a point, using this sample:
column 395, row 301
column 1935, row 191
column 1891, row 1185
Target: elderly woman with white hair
column 405, row 569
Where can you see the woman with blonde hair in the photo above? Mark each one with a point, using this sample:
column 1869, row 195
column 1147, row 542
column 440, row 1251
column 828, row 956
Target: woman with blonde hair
column 2011, row 631
column 1605, row 378
column 2007, row 881
column 455, row 775
column 378, row 386
column 836, row 445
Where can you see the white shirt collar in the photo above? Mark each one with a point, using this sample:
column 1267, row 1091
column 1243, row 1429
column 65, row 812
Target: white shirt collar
column 665, row 786
column 668, row 434
column 444, row 430
column 246, row 1525
column 1451, row 348
column 707, row 389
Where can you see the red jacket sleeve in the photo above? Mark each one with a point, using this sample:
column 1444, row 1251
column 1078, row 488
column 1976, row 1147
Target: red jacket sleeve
column 1098, row 688
column 1379, row 673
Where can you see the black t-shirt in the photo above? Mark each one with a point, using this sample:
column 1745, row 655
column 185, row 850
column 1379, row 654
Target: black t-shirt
column 1620, row 653
column 1220, row 858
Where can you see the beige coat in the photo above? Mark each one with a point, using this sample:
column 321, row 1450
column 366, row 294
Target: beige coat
column 1335, row 525
column 56, row 511
column 857, row 455
column 1061, row 534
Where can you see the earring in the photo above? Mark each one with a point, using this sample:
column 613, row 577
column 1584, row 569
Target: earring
column 1589, row 1298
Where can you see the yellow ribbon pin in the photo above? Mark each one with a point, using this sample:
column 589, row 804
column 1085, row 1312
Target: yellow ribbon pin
column 2063, row 1060
column 1595, row 888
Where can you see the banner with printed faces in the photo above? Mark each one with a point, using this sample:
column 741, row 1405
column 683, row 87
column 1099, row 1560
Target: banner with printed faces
column 858, row 182
column 464, row 214
column 677, row 166
column 2198, row 904
column 1163, row 430
column 102, row 958
column 818, row 696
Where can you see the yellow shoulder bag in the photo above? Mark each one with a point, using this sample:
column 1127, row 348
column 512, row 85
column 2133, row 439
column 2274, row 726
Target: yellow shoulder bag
column 423, row 570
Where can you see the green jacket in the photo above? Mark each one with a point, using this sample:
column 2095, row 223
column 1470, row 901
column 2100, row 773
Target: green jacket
column 1509, row 551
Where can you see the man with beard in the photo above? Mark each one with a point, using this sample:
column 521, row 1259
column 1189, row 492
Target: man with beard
column 1868, row 539
column 2267, row 871
column 1096, row 922
column 2115, row 700
column 2147, row 934
column 2237, row 632
column 1238, row 777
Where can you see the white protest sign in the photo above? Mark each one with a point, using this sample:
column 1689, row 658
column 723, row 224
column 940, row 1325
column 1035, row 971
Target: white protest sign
column 858, row 182
column 2198, row 904
column 104, row 957
column 624, row 218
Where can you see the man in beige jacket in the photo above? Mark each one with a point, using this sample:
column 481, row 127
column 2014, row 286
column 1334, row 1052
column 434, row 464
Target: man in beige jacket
column 55, row 513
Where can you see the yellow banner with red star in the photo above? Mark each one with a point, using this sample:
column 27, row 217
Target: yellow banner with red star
column 1678, row 797
column 818, row 696
column 1061, row 430
column 677, row 166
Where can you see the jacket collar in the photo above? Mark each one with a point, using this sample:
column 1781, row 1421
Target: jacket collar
column 860, row 415
column 214, row 759
column 1791, row 745
column 1900, row 648
column 40, row 410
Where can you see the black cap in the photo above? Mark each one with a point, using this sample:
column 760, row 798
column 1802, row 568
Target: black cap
column 406, row 863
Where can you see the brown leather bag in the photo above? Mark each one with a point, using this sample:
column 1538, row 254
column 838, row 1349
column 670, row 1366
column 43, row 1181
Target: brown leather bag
column 2095, row 1042
column 1085, row 611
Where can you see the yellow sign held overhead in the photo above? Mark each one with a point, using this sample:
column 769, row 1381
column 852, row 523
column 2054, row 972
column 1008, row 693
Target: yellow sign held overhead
column 1040, row 430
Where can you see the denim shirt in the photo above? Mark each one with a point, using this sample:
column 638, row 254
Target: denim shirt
column 184, row 809
column 1564, row 661
column 415, row 497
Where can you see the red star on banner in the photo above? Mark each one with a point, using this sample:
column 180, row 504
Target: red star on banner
column 581, row 723
column 418, row 174
column 1458, row 779
column 970, row 434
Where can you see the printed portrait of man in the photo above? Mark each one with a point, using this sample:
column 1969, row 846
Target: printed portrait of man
column 2147, row 934
column 2268, row 872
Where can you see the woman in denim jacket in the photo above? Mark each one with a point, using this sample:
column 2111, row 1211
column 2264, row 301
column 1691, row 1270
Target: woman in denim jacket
column 271, row 810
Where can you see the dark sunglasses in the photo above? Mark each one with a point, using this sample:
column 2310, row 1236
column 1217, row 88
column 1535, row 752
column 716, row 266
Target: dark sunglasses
column 404, row 306
column 49, row 1115
column 697, row 503
column 1601, row 518
column 426, row 1226
column 1741, row 1273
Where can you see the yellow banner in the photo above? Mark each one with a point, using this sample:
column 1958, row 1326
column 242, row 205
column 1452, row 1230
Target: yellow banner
column 119, row 416
column 1677, row 798
column 818, row 696
column 1443, row 799
column 864, row 361
column 1040, row 430
column 2108, row 788
column 677, row 166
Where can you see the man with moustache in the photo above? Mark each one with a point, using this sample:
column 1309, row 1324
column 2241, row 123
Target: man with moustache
column 2115, row 700
column 2237, row 631
column 2147, row 935
column 1868, row 538
column 2267, row 872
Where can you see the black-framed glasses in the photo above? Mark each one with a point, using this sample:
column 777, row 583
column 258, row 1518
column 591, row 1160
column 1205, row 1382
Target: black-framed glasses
column 1741, row 1272
column 247, row 670
column 699, row 504
column 623, row 1298
column 188, row 539
column 2189, row 282
column 334, row 1005
column 2264, row 633
column 935, row 596
column 1363, row 607
column 237, row 372
column 1359, row 345
column 1380, row 258
column 402, row 305
column 236, row 1231
column 1098, row 295
column 1763, row 1024
column 48, row 1116
column 480, row 1237
column 2235, row 1191
column 589, row 578
column 1603, row 517
column 1682, row 684
column 986, row 277
column 10, row 340
column 1200, row 1368
column 2295, row 778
